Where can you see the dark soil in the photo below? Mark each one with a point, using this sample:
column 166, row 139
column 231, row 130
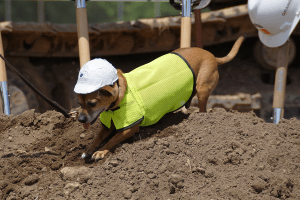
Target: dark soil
column 205, row 156
column 215, row 155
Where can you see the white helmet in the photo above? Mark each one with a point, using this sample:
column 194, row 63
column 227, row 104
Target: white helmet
column 95, row 74
column 275, row 19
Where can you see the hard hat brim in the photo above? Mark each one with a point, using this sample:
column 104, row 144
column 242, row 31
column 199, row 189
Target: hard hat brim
column 273, row 40
column 278, row 39
column 91, row 86
column 81, row 88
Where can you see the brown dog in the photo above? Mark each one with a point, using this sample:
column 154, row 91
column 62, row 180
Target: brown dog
column 108, row 98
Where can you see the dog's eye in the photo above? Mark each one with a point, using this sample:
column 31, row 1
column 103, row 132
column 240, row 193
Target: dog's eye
column 91, row 104
column 104, row 92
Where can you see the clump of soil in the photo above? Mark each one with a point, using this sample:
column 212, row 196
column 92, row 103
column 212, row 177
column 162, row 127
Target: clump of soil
column 214, row 155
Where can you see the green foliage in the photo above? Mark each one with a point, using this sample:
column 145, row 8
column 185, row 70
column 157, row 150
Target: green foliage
column 136, row 10
column 167, row 10
column 23, row 11
column 61, row 12
column 108, row 11
column 103, row 11
column 98, row 12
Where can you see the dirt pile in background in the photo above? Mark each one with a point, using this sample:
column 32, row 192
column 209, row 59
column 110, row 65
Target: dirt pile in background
column 214, row 155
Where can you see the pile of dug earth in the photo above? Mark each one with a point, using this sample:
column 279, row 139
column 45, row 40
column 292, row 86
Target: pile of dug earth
column 215, row 155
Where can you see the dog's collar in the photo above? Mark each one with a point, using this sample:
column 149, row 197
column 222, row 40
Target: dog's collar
column 117, row 108
column 113, row 105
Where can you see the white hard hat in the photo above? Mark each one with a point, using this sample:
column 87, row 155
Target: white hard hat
column 275, row 19
column 95, row 74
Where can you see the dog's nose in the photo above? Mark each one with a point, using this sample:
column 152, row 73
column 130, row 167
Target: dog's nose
column 82, row 118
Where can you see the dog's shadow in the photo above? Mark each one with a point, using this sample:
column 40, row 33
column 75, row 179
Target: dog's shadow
column 157, row 129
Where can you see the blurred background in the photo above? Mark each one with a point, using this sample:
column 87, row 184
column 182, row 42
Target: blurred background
column 63, row 12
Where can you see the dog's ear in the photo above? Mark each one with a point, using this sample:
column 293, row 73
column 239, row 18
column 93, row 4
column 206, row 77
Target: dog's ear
column 109, row 90
column 122, row 84
column 120, row 87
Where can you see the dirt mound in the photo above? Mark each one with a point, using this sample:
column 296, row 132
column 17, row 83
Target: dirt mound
column 214, row 155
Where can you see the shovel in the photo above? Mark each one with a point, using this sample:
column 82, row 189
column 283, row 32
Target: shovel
column 280, row 82
column 186, row 25
column 198, row 21
column 83, row 33
column 4, row 100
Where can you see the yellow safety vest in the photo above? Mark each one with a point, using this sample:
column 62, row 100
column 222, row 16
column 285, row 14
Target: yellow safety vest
column 153, row 90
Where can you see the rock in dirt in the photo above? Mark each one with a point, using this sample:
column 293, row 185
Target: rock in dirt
column 236, row 144
column 259, row 186
column 127, row 194
column 199, row 169
column 209, row 173
column 32, row 179
column 56, row 165
column 114, row 163
column 73, row 171
column 71, row 187
column 48, row 149
column 76, row 173
column 175, row 179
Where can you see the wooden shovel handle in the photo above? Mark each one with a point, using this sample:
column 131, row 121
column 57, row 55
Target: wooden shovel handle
column 280, row 77
column 185, row 36
column 198, row 23
column 83, row 36
column 2, row 63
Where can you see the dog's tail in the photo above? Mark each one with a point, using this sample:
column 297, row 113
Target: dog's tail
column 233, row 51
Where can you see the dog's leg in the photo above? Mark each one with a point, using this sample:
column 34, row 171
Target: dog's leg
column 206, row 82
column 116, row 139
column 103, row 133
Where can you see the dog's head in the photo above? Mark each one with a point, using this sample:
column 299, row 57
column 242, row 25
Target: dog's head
column 97, row 90
column 93, row 104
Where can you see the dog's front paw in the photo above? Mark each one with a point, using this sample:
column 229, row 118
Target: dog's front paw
column 83, row 156
column 99, row 154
